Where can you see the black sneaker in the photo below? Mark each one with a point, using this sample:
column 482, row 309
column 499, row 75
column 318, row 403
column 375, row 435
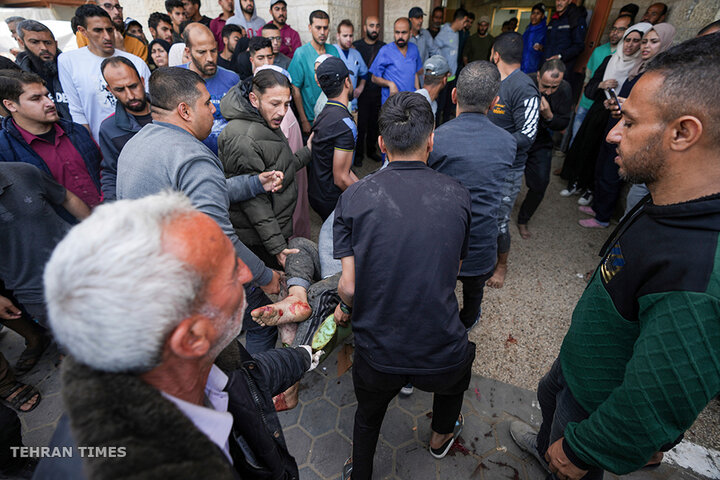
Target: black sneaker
column 445, row 447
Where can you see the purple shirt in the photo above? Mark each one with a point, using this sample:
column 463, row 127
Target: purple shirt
column 65, row 163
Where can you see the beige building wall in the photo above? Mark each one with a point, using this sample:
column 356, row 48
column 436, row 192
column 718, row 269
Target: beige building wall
column 395, row 9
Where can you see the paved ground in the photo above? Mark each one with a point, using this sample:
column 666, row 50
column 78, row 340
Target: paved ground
column 523, row 325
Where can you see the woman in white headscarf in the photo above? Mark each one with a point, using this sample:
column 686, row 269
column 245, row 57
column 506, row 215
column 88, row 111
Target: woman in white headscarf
column 625, row 58
column 177, row 55
column 579, row 166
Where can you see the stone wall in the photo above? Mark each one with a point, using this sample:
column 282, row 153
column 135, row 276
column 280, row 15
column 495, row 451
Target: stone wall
column 395, row 9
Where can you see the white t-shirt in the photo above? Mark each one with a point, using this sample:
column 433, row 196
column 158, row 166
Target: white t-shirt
column 90, row 102
column 433, row 104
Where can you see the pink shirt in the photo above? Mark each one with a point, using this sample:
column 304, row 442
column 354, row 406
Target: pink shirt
column 65, row 163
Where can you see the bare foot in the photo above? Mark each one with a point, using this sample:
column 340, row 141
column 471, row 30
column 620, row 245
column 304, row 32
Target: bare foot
column 655, row 459
column 287, row 400
column 498, row 278
column 287, row 332
column 524, row 232
column 289, row 310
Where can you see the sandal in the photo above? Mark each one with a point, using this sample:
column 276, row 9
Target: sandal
column 20, row 394
column 347, row 469
column 445, row 447
column 31, row 356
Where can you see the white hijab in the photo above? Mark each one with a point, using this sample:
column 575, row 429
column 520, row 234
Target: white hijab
column 175, row 56
column 620, row 65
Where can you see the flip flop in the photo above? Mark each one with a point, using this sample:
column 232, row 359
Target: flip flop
column 30, row 357
column 347, row 469
column 21, row 394
column 445, row 447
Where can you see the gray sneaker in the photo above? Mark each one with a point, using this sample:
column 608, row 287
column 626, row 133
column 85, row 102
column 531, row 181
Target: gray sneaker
column 526, row 438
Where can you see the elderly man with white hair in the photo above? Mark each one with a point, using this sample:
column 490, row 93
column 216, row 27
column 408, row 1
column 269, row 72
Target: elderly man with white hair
column 144, row 295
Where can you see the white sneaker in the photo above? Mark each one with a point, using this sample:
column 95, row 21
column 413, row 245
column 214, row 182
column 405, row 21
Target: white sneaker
column 572, row 190
column 586, row 198
column 407, row 390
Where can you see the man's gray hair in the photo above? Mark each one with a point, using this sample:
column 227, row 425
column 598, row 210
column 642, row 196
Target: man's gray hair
column 113, row 293
column 14, row 19
column 31, row 26
column 477, row 86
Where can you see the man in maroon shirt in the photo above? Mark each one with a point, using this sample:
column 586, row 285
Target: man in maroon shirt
column 35, row 134
column 290, row 39
column 217, row 24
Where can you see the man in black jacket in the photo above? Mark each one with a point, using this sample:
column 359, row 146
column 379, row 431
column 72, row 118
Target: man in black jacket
column 132, row 112
column 555, row 109
column 40, row 57
column 185, row 412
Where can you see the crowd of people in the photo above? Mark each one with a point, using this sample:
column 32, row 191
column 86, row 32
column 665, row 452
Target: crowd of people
column 154, row 193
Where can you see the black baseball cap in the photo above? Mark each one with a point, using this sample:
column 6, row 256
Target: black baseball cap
column 331, row 72
column 416, row 12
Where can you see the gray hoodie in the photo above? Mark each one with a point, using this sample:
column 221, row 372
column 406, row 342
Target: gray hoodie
column 252, row 27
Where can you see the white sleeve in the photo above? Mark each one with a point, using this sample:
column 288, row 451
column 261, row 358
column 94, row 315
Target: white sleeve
column 70, row 89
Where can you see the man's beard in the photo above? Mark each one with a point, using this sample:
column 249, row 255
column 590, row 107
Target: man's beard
column 204, row 68
column 234, row 326
column 371, row 35
column 136, row 108
column 47, row 69
column 401, row 43
column 249, row 9
column 645, row 164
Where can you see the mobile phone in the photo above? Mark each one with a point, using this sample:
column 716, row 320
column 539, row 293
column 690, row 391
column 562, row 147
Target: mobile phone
column 613, row 96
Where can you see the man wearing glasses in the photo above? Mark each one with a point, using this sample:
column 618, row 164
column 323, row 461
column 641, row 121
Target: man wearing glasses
column 272, row 32
column 123, row 41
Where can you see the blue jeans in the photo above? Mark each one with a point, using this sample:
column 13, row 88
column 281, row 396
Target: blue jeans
column 637, row 192
column 257, row 339
column 508, row 194
column 579, row 117
column 559, row 407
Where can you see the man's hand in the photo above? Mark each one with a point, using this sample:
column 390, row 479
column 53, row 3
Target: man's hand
column 309, row 142
column 272, row 181
column 393, row 88
column 314, row 357
column 305, row 126
column 609, row 83
column 282, row 256
column 277, row 282
column 358, row 91
column 560, row 465
column 554, row 57
column 8, row 311
column 341, row 318
column 545, row 110
column 538, row 47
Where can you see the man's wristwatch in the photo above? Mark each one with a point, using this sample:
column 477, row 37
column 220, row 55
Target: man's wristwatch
column 345, row 308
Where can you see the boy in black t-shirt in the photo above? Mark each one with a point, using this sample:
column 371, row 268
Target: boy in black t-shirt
column 333, row 145
column 401, row 234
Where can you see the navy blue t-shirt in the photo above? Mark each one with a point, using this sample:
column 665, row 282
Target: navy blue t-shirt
column 334, row 129
column 407, row 227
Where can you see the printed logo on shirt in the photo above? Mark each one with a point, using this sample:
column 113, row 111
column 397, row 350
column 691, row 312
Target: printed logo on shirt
column 612, row 264
column 287, row 41
column 499, row 109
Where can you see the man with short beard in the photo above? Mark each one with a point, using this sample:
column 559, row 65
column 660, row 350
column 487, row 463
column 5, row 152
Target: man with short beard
column 246, row 17
column 369, row 100
column 40, row 57
column 436, row 21
column 397, row 65
column 640, row 359
column 289, row 38
column 272, row 32
column 353, row 61
column 123, row 41
column 302, row 69
column 132, row 112
column 201, row 46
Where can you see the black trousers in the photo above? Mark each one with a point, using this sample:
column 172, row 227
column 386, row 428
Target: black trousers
column 537, row 178
column 368, row 111
column 473, row 291
column 445, row 105
column 9, row 437
column 375, row 389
